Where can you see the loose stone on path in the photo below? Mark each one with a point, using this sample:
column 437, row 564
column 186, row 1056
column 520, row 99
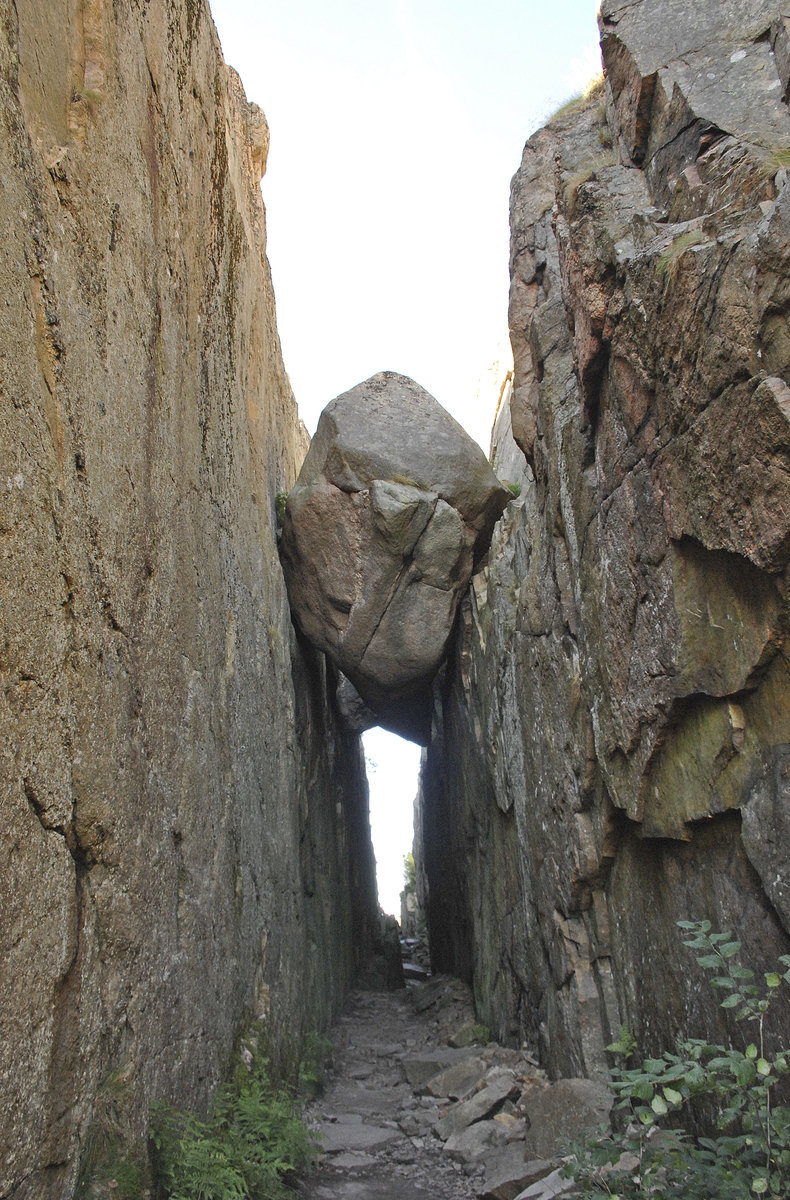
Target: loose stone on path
column 407, row 1117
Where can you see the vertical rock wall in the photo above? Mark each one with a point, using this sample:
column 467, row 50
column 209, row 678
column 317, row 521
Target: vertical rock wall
column 610, row 751
column 185, row 828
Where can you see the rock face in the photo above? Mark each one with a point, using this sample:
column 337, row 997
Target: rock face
column 610, row 746
column 392, row 510
column 185, row 830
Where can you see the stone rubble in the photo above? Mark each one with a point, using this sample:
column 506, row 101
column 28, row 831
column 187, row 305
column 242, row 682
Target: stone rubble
column 405, row 1116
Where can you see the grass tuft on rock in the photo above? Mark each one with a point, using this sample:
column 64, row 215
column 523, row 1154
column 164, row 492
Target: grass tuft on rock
column 668, row 262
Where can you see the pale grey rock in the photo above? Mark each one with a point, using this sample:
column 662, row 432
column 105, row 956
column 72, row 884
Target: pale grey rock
column 352, row 1160
column 475, row 1143
column 509, row 1172
column 464, row 1035
column 547, row 1188
column 393, row 508
column 482, row 1104
column 458, row 1081
column 421, row 1067
column 338, row 1137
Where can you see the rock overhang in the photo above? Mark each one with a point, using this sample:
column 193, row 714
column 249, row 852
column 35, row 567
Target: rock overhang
column 391, row 514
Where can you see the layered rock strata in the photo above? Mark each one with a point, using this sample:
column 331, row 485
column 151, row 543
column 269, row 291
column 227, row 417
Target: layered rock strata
column 185, row 831
column 610, row 746
column 392, row 511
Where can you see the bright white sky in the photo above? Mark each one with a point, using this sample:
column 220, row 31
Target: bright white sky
column 396, row 126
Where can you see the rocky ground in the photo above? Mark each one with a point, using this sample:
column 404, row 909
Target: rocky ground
column 416, row 1106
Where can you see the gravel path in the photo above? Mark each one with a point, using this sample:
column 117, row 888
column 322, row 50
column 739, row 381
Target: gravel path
column 377, row 1135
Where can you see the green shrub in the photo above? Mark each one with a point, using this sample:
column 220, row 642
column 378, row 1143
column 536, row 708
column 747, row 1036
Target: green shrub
column 751, row 1155
column 409, row 867
column 481, row 1034
column 514, row 489
column 250, row 1144
column 280, row 501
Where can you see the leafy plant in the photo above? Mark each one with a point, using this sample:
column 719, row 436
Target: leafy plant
column 246, row 1149
column 409, row 873
column 514, row 489
column 481, row 1034
column 751, row 1154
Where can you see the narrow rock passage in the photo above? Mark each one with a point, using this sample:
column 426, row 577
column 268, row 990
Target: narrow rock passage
column 415, row 1109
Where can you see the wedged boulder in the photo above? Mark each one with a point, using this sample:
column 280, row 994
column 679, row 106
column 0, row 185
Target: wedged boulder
column 392, row 511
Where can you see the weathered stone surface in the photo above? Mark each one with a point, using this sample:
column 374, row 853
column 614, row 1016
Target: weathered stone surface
column 511, row 1173
column 563, row 1111
column 343, row 1136
column 419, row 1068
column 550, row 1186
column 477, row 1141
column 610, row 737
column 457, row 1081
column 393, row 508
column 170, row 760
column 499, row 1086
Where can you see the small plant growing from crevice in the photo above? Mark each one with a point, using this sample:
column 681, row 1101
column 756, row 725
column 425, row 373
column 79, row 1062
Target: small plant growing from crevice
column 777, row 160
column 582, row 99
column 112, row 1161
column 513, row 488
column 668, row 262
column 481, row 1034
column 249, row 1146
column 280, row 501
column 317, row 1057
column 587, row 171
column 751, row 1154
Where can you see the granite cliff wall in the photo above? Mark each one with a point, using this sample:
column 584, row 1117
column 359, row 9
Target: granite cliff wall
column 185, row 832
column 612, row 737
